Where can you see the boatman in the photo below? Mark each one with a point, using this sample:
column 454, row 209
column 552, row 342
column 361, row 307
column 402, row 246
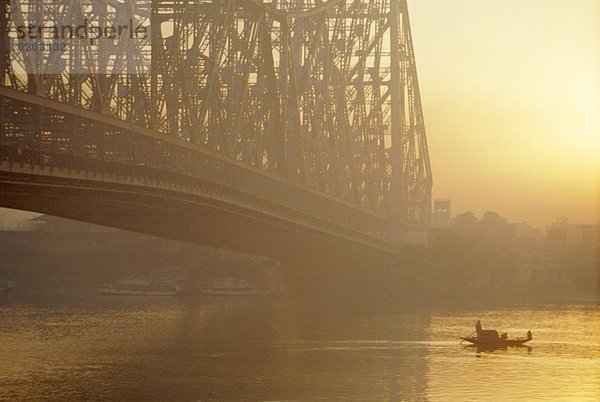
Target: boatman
column 478, row 326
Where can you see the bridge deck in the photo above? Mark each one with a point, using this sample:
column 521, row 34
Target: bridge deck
column 62, row 185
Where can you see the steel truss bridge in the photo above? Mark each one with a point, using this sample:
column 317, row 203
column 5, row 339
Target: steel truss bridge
column 288, row 128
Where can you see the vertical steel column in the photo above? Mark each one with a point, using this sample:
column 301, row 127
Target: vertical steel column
column 398, row 207
column 4, row 57
column 4, row 40
column 156, row 46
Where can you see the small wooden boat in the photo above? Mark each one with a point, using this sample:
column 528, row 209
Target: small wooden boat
column 496, row 343
column 490, row 339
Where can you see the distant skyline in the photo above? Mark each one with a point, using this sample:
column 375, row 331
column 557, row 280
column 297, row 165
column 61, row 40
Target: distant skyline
column 511, row 93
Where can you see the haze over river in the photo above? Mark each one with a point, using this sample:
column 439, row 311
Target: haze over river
column 59, row 345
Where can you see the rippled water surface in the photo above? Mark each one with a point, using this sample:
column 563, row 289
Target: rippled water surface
column 271, row 349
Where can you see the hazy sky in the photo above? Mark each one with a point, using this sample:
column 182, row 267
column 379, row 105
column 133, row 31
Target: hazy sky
column 511, row 91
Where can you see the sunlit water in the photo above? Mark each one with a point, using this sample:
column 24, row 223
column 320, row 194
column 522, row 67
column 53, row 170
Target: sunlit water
column 91, row 347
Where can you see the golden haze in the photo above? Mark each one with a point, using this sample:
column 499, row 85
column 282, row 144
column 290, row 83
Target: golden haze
column 512, row 100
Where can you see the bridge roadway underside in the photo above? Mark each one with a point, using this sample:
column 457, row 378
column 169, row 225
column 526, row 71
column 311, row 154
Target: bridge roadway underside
column 180, row 216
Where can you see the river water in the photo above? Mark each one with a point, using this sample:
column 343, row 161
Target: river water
column 60, row 346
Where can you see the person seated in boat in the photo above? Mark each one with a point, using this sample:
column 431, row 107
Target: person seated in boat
column 504, row 336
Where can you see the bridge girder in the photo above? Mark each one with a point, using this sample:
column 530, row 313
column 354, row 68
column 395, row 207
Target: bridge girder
column 175, row 206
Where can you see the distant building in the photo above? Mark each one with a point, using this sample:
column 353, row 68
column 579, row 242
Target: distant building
column 526, row 237
column 535, row 267
column 442, row 214
column 590, row 236
column 562, row 234
column 48, row 223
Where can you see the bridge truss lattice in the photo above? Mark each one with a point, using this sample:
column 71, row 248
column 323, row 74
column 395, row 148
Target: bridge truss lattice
column 323, row 94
